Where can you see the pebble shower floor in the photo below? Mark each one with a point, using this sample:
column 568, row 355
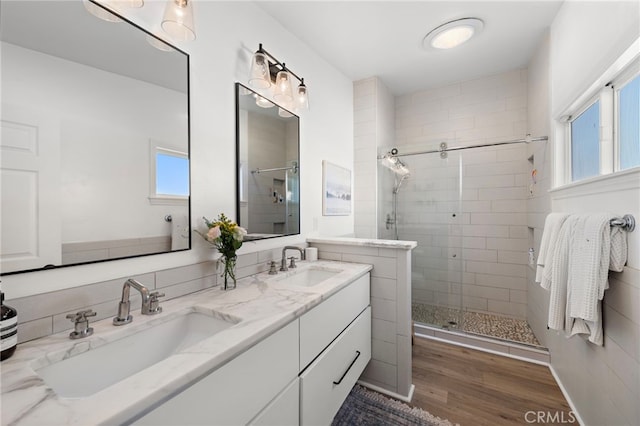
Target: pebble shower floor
column 495, row 326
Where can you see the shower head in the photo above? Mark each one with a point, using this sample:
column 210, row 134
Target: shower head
column 393, row 163
column 399, row 183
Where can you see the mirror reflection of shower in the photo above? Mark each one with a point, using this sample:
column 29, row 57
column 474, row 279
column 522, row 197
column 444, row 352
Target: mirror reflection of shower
column 391, row 161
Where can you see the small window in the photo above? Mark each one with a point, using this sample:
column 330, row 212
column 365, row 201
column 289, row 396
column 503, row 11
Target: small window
column 629, row 124
column 585, row 146
column 168, row 174
column 172, row 174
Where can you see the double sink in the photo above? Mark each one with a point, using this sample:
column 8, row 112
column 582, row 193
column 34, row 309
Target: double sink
column 86, row 373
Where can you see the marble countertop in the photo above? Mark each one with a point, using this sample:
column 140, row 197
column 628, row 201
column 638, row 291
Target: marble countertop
column 261, row 303
column 365, row 242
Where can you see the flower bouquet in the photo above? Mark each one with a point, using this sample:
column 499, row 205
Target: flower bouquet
column 226, row 236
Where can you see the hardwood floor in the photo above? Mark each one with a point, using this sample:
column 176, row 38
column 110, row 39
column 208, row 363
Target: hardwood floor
column 471, row 387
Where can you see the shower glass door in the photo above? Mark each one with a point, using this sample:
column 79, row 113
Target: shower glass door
column 426, row 207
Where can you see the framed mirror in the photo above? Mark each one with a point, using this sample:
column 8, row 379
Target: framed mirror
column 268, row 170
column 95, row 138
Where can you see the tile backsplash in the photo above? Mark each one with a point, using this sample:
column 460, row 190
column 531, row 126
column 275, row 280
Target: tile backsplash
column 44, row 314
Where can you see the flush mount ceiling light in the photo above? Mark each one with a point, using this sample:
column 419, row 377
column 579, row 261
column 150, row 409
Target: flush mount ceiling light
column 453, row 33
column 269, row 74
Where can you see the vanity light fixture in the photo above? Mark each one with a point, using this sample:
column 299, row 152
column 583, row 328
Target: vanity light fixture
column 453, row 33
column 268, row 73
column 100, row 11
column 177, row 20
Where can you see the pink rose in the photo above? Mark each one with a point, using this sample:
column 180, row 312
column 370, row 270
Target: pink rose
column 213, row 233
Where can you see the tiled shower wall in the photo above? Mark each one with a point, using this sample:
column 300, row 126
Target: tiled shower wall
column 468, row 212
column 373, row 112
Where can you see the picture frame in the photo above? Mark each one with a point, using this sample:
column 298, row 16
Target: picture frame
column 336, row 190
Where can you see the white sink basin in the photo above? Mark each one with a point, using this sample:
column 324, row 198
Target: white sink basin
column 307, row 277
column 91, row 371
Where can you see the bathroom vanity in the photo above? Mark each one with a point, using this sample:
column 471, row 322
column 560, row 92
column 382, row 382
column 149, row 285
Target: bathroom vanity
column 278, row 349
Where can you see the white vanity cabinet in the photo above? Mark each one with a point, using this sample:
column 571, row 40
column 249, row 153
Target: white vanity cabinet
column 236, row 392
column 335, row 347
column 300, row 375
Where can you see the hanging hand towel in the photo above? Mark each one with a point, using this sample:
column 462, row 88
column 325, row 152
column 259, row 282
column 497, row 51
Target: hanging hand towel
column 552, row 225
column 556, row 274
column 597, row 247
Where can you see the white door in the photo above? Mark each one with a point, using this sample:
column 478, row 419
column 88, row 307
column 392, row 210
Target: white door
column 29, row 179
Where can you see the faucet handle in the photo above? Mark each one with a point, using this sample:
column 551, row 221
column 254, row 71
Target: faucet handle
column 292, row 262
column 272, row 267
column 154, row 303
column 81, row 323
column 81, row 315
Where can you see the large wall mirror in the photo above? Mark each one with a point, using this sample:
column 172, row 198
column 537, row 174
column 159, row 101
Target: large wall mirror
column 268, row 191
column 95, row 138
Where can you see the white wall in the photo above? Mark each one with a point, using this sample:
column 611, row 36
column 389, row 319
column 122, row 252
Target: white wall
column 227, row 34
column 603, row 383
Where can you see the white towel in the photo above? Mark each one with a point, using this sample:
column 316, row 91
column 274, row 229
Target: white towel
column 556, row 274
column 596, row 248
column 179, row 232
column 552, row 225
column 618, row 256
column 589, row 265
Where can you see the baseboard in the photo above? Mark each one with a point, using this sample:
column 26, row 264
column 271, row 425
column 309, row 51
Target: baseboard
column 566, row 395
column 393, row 395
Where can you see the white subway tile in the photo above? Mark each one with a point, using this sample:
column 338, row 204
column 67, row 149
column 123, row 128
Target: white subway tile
column 480, row 255
column 384, row 351
column 383, row 288
column 493, row 181
column 518, row 296
column 507, row 269
column 516, row 193
column 502, row 281
column 518, row 310
column 512, row 244
column 485, row 292
column 511, row 206
column 501, row 231
column 383, row 309
column 382, row 373
column 516, row 257
column 383, row 330
column 498, row 219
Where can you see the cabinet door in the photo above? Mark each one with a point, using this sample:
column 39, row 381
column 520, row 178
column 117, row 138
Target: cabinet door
column 284, row 410
column 322, row 324
column 326, row 383
column 234, row 393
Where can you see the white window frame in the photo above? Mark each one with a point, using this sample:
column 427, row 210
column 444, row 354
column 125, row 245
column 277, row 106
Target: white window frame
column 604, row 89
column 621, row 81
column 158, row 147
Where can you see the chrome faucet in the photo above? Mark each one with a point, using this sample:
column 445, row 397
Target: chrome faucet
column 283, row 262
column 150, row 303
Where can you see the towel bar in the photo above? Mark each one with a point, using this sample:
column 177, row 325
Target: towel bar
column 627, row 222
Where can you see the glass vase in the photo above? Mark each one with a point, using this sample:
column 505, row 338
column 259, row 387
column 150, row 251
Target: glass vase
column 228, row 273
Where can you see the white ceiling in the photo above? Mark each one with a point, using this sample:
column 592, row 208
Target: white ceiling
column 384, row 38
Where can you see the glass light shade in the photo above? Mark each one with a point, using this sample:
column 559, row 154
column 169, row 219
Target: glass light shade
column 302, row 97
column 283, row 91
column 159, row 44
column 129, row 3
column 452, row 37
column 260, row 76
column 178, row 20
column 452, row 34
column 100, row 12
column 284, row 113
column 263, row 102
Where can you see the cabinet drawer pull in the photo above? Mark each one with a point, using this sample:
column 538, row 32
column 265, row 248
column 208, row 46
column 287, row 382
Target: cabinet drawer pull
column 350, row 365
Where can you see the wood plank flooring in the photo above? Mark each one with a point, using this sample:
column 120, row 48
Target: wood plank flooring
column 471, row 387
